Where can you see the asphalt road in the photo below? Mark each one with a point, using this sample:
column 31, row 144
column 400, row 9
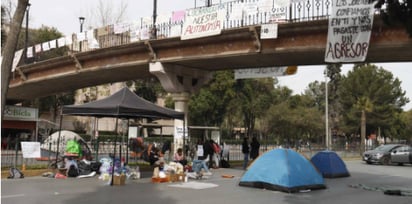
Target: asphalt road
column 365, row 185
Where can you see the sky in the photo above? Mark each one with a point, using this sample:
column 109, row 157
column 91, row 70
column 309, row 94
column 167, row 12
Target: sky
column 64, row 15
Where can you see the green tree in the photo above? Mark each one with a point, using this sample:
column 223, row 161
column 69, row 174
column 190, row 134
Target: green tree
column 9, row 50
column 3, row 31
column 406, row 126
column 149, row 89
column 397, row 12
column 373, row 93
column 296, row 119
column 41, row 35
column 334, row 106
column 209, row 106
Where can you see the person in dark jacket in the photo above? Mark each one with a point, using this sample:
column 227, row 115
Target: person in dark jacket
column 245, row 151
column 254, row 148
column 208, row 152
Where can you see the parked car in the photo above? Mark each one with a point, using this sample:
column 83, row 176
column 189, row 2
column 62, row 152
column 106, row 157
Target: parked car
column 381, row 154
column 402, row 155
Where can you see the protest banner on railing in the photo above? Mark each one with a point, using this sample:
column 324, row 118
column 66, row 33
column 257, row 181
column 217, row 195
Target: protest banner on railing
column 30, row 149
column 350, row 26
column 203, row 22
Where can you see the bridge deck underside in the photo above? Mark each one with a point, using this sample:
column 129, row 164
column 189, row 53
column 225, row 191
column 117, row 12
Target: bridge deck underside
column 297, row 44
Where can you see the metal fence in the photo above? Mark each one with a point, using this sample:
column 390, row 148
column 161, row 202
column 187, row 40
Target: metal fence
column 10, row 158
column 107, row 36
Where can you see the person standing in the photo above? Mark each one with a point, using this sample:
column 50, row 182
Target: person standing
column 245, row 151
column 254, row 148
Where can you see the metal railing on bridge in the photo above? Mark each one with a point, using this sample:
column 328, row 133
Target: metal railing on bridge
column 141, row 30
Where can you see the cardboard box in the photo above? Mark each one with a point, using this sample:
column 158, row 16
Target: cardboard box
column 119, row 180
column 160, row 180
column 177, row 177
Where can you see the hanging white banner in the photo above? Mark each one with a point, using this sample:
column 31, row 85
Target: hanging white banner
column 30, row 149
column 30, row 52
column 61, row 42
column 349, row 30
column 265, row 72
column 269, row 31
column 45, row 46
column 203, row 22
column 16, row 59
column 179, row 132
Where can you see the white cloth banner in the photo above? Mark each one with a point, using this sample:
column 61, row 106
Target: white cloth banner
column 121, row 28
column 69, row 40
column 237, row 11
column 30, row 149
column 175, row 30
column 163, row 18
column 37, row 48
column 61, row 42
column 89, row 34
column 81, row 36
column 203, row 22
column 260, row 72
column 30, row 52
column 134, row 35
column 349, row 31
column 45, row 46
column 52, row 44
column 265, row 5
column 269, row 31
column 199, row 151
column 16, row 59
column 147, row 21
column 250, row 9
column 179, row 132
column 144, row 34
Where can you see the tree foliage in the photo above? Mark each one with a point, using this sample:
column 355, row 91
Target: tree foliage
column 9, row 50
column 209, row 106
column 372, row 90
column 397, row 12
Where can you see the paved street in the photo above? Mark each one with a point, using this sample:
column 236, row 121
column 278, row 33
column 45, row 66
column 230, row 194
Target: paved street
column 363, row 186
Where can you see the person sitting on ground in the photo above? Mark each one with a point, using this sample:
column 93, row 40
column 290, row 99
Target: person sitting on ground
column 72, row 170
column 197, row 166
column 179, row 157
column 160, row 168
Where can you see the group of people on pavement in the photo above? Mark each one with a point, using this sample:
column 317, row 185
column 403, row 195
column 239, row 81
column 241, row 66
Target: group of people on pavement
column 250, row 150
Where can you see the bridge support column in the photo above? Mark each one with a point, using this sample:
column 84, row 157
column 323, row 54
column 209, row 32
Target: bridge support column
column 181, row 82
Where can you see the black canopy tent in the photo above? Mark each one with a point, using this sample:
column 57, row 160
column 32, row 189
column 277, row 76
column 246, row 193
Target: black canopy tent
column 122, row 104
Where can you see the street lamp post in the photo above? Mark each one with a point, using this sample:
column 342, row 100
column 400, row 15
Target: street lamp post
column 153, row 33
column 81, row 20
column 27, row 34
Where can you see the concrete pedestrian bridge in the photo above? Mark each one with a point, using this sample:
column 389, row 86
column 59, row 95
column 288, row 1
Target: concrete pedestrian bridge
column 184, row 65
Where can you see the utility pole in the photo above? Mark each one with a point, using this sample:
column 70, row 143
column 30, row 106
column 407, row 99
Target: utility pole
column 153, row 33
column 26, row 42
column 81, row 21
column 327, row 138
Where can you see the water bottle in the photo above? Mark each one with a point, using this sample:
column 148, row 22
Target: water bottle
column 137, row 172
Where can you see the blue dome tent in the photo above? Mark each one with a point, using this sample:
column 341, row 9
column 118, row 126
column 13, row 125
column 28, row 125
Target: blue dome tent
column 282, row 170
column 330, row 164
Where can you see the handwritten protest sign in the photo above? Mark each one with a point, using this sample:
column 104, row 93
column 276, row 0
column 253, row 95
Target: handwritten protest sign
column 30, row 149
column 265, row 72
column 350, row 26
column 203, row 22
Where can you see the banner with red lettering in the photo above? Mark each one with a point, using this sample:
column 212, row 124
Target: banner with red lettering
column 350, row 26
column 203, row 22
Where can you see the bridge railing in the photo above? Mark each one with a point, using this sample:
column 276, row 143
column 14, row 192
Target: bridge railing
column 109, row 36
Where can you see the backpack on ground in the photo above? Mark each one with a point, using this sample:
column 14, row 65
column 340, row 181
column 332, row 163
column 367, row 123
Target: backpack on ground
column 73, row 171
column 224, row 164
column 84, row 168
column 15, row 173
